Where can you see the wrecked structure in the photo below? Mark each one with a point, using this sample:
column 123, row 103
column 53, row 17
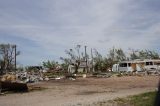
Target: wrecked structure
column 83, row 67
column 137, row 66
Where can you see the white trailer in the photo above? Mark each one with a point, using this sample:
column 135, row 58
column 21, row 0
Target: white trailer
column 137, row 65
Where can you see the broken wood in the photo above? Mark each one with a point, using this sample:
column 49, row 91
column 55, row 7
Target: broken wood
column 13, row 86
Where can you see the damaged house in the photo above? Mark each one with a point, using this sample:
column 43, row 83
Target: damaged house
column 137, row 65
column 82, row 68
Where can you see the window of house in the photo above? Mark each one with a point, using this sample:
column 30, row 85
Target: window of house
column 129, row 64
column 149, row 63
column 157, row 63
column 123, row 65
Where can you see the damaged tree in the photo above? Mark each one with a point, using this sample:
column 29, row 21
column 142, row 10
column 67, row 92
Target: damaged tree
column 75, row 57
column 104, row 63
column 8, row 54
column 51, row 65
column 143, row 54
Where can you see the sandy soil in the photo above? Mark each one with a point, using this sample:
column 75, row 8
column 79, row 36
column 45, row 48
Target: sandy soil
column 81, row 91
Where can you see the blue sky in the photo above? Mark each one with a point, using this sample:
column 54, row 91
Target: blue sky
column 44, row 29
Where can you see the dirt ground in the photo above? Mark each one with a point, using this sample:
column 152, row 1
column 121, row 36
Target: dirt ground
column 81, row 92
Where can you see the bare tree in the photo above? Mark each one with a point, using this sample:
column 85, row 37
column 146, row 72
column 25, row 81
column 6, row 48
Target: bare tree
column 116, row 55
column 75, row 57
column 8, row 55
column 104, row 63
column 144, row 54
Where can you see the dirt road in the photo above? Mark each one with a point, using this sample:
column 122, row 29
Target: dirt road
column 81, row 91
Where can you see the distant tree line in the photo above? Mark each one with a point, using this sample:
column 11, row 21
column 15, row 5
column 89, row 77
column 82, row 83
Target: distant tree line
column 75, row 56
column 117, row 55
column 101, row 63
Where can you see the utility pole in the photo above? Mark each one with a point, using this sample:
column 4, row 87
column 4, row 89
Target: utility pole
column 86, row 58
column 78, row 50
column 15, row 61
column 5, row 60
column 92, row 60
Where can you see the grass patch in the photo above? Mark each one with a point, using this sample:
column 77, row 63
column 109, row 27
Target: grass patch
column 145, row 99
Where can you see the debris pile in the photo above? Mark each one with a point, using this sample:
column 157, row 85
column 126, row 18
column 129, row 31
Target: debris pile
column 8, row 78
column 9, row 82
column 102, row 75
column 29, row 77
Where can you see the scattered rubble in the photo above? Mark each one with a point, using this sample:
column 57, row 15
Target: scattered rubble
column 102, row 75
column 84, row 75
column 8, row 78
column 17, row 81
column 9, row 82
column 71, row 76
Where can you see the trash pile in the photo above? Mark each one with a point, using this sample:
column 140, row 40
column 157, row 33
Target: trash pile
column 8, row 82
column 17, row 81
column 22, row 77
column 29, row 77
column 8, row 78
